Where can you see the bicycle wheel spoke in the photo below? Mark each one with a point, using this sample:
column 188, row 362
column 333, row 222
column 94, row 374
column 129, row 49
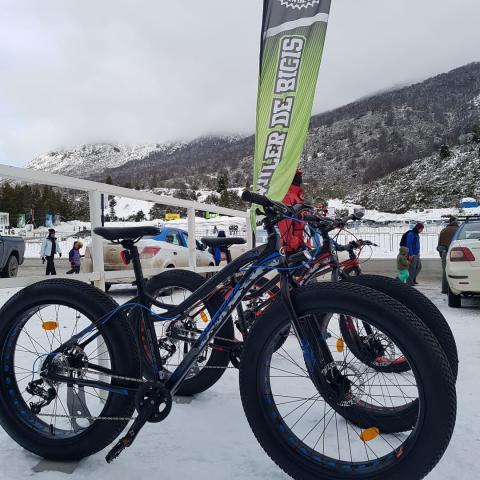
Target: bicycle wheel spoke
column 71, row 408
column 326, row 425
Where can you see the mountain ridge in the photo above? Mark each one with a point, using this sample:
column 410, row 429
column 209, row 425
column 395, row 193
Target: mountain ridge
column 346, row 148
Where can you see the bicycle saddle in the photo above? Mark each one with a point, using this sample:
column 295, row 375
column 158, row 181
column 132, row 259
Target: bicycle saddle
column 126, row 233
column 214, row 242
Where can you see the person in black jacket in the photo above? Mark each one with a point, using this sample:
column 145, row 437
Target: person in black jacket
column 444, row 240
column 50, row 247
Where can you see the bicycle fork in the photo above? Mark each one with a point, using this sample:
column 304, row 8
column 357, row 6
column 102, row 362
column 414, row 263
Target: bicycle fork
column 320, row 363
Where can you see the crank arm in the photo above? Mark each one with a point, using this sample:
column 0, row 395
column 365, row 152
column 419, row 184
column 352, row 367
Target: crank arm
column 145, row 413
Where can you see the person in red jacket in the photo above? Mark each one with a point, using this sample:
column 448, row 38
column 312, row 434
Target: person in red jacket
column 292, row 233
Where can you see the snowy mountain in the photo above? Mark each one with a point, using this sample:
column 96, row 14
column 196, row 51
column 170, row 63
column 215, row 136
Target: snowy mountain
column 371, row 138
column 432, row 182
column 346, row 149
column 196, row 163
column 87, row 160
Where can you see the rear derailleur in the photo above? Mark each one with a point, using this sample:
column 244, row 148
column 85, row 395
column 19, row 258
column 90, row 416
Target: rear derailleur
column 47, row 395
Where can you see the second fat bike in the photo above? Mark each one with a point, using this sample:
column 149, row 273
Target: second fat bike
column 368, row 345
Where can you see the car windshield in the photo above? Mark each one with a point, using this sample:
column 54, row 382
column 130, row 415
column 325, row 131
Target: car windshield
column 470, row 231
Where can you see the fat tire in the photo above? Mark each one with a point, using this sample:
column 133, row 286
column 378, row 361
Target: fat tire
column 437, row 388
column 421, row 306
column 124, row 355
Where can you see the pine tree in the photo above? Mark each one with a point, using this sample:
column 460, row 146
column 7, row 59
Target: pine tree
column 157, row 212
column 445, row 152
column 222, row 182
column 111, row 212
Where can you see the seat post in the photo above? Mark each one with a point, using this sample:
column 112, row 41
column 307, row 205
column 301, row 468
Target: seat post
column 137, row 265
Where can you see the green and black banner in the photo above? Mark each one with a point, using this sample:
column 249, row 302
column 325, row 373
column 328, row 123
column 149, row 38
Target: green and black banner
column 293, row 35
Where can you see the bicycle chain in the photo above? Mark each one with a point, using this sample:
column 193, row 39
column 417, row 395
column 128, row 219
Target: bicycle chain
column 120, row 377
column 96, row 372
column 76, row 417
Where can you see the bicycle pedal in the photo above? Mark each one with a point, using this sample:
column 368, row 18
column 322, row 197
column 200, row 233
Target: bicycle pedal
column 120, row 446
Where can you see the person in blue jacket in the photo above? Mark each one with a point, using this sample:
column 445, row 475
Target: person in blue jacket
column 50, row 247
column 413, row 245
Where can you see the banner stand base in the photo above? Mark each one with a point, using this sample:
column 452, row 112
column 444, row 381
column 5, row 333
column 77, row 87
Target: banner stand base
column 50, row 466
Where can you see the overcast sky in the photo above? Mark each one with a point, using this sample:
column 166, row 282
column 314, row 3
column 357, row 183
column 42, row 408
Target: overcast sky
column 148, row 71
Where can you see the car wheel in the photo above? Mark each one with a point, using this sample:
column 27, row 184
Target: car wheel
column 11, row 268
column 454, row 301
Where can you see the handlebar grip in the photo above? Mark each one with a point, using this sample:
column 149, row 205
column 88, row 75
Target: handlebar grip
column 252, row 197
column 310, row 218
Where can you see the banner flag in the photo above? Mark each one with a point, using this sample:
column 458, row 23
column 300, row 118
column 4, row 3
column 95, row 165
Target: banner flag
column 293, row 36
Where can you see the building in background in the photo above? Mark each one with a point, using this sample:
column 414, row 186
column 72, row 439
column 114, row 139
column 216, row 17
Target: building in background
column 4, row 221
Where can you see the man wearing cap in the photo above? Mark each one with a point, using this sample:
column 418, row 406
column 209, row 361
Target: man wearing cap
column 50, row 247
column 413, row 245
column 444, row 240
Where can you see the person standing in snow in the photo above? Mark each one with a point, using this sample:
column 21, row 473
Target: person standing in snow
column 74, row 257
column 403, row 265
column 50, row 247
column 444, row 240
column 413, row 245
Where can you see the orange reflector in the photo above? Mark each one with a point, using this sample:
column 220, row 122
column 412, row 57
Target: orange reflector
column 340, row 345
column 49, row 325
column 204, row 316
column 369, row 434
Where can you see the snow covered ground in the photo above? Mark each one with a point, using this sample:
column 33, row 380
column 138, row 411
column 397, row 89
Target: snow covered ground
column 209, row 438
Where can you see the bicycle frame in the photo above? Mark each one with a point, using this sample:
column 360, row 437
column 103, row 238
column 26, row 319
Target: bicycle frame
column 258, row 261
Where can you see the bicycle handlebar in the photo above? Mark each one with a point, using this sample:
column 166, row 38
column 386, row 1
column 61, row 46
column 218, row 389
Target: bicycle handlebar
column 325, row 224
column 252, row 197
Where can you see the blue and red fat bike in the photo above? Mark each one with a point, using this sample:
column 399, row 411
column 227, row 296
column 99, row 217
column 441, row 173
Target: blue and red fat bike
column 308, row 266
column 76, row 372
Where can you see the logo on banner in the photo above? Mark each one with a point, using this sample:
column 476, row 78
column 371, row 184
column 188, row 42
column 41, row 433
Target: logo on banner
column 299, row 3
column 285, row 90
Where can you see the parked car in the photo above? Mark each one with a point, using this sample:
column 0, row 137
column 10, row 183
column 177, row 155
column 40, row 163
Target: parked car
column 168, row 249
column 12, row 250
column 463, row 263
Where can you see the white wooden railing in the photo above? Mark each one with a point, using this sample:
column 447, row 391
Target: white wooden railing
column 95, row 191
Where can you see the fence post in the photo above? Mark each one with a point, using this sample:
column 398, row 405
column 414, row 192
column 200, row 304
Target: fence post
column 192, row 244
column 249, row 231
column 94, row 198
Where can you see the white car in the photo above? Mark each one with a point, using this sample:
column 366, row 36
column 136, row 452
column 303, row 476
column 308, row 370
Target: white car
column 167, row 250
column 463, row 263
